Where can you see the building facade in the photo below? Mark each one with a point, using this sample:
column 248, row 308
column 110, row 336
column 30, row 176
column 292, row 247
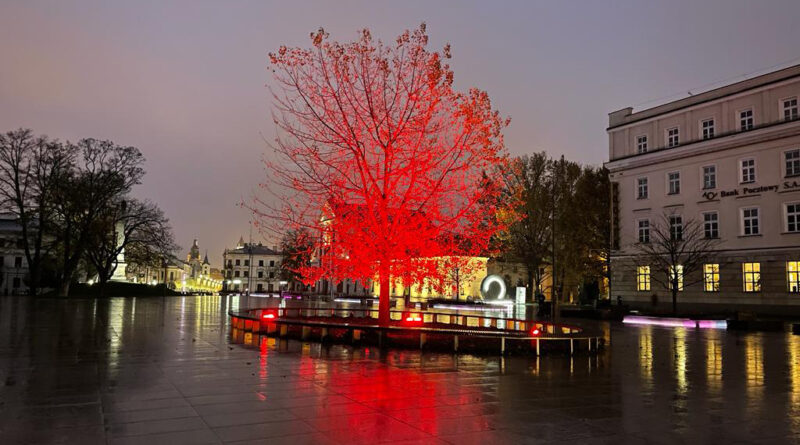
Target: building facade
column 13, row 264
column 251, row 268
column 729, row 160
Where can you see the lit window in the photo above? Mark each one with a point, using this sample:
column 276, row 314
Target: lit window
column 751, row 273
column 748, row 169
column 674, row 180
column 711, row 224
column 711, row 277
column 676, row 227
column 793, row 217
column 750, row 221
column 644, row 230
column 673, row 137
column 793, row 276
column 709, row 177
column 792, row 158
column 746, row 120
column 708, row 128
column 790, row 109
column 643, row 278
column 676, row 274
column 641, row 144
column 641, row 188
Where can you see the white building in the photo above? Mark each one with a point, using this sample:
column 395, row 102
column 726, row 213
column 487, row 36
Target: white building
column 728, row 158
column 251, row 268
column 13, row 264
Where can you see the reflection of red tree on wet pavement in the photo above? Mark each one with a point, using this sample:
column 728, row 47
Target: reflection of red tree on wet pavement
column 374, row 141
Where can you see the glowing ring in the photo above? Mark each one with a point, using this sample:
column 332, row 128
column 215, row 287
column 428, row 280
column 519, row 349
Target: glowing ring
column 487, row 283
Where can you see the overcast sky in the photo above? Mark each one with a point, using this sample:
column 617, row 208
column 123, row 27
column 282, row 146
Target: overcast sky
column 184, row 81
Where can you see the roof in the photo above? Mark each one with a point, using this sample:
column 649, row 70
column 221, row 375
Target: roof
column 252, row 249
column 626, row 116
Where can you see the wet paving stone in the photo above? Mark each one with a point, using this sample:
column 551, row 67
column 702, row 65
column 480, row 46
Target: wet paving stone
column 164, row 371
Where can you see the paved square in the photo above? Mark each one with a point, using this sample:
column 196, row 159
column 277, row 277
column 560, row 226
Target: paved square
column 153, row 371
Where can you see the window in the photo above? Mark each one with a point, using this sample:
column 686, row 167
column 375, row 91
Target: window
column 246, row 262
column 707, row 128
column 16, row 282
column 676, row 227
column 230, row 263
column 237, row 262
column 641, row 188
column 751, row 274
column 790, row 109
column 676, row 274
column 674, row 181
column 673, row 138
column 709, row 177
column 260, row 287
column 746, row 120
column 644, row 230
column 260, row 274
column 750, row 223
column 260, row 263
column 272, row 274
column 792, row 158
column 711, row 277
column 711, row 224
column 643, row 278
column 793, row 217
column 236, row 273
column 748, row 169
column 246, row 274
column 793, row 276
column 18, row 262
column 272, row 263
column 641, row 144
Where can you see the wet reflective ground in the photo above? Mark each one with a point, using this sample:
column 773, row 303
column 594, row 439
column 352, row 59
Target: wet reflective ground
column 159, row 371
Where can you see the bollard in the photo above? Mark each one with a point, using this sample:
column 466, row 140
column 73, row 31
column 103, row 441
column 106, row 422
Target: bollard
column 423, row 338
column 305, row 333
column 502, row 345
column 537, row 347
column 324, row 334
column 571, row 346
column 356, row 335
column 284, row 330
column 455, row 343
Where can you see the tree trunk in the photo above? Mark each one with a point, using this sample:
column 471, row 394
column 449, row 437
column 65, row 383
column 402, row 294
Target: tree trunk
column 63, row 287
column 531, row 285
column 675, row 299
column 383, row 299
column 33, row 286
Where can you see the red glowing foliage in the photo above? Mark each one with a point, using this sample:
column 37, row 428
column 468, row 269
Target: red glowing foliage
column 381, row 161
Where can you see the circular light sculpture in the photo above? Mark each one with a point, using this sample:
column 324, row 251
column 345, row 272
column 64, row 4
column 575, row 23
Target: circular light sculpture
column 487, row 283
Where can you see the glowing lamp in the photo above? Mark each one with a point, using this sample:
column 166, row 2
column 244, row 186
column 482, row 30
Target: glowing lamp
column 412, row 318
column 535, row 331
column 268, row 316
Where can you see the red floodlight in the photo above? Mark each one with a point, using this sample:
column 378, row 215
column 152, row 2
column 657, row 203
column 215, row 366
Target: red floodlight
column 412, row 318
column 268, row 316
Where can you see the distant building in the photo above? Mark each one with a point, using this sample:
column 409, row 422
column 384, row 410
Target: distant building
column 728, row 158
column 13, row 264
column 192, row 275
column 251, row 268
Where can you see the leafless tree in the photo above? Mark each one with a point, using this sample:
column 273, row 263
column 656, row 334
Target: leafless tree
column 31, row 170
column 129, row 224
column 676, row 251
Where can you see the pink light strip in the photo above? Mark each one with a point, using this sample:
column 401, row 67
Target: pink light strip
column 675, row 322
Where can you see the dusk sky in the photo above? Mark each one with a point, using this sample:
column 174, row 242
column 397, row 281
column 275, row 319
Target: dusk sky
column 185, row 81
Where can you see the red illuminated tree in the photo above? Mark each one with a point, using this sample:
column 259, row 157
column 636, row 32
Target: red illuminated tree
column 380, row 156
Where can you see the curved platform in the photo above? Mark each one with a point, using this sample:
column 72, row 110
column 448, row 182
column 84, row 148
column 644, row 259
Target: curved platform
column 420, row 329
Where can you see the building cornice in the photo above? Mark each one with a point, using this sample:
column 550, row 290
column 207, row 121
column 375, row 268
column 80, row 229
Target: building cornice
column 778, row 130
